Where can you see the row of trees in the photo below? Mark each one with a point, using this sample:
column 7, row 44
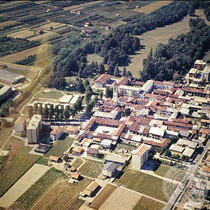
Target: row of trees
column 4, row 108
column 59, row 112
column 171, row 61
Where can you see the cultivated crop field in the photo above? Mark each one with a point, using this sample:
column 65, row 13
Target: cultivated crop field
column 91, row 168
column 127, row 199
column 11, row 175
column 37, row 189
column 152, row 6
column 23, row 54
column 103, row 196
column 141, row 182
column 62, row 195
column 78, row 162
column 22, row 185
column 59, row 147
column 46, row 36
column 148, row 204
column 6, row 23
column 23, row 34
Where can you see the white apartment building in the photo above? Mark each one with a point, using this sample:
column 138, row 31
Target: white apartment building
column 140, row 156
column 34, row 128
column 20, row 125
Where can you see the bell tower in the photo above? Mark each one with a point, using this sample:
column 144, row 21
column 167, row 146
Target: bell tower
column 115, row 93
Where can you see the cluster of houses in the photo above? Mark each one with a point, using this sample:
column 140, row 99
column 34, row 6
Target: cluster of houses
column 159, row 110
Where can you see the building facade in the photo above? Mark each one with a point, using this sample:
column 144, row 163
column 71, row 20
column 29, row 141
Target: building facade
column 34, row 128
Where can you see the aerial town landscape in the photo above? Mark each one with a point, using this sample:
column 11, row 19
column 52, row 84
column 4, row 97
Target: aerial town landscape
column 104, row 105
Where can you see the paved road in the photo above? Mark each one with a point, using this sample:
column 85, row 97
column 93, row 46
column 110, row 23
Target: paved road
column 179, row 191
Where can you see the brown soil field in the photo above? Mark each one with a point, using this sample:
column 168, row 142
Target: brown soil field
column 6, row 23
column 126, row 199
column 151, row 39
column 62, row 195
column 152, row 7
column 29, row 178
column 103, row 196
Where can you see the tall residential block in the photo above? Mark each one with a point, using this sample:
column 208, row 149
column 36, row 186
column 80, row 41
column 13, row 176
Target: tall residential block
column 20, row 124
column 34, row 128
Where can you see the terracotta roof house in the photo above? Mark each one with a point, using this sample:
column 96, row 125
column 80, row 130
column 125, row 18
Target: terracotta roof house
column 102, row 80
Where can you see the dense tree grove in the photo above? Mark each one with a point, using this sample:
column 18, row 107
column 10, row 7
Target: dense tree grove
column 168, row 14
column 172, row 60
column 71, row 54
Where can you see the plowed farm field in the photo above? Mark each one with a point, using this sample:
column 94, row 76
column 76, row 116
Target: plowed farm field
column 62, row 195
column 103, row 196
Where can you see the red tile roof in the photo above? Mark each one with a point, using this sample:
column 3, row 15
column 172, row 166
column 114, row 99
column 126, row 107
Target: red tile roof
column 103, row 78
column 123, row 81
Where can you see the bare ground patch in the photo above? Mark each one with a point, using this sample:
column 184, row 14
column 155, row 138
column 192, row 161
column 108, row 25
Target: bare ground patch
column 126, row 199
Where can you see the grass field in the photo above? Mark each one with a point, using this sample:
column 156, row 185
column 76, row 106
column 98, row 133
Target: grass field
column 163, row 169
column 91, row 168
column 151, row 39
column 42, row 161
column 95, row 58
column 36, row 190
column 50, row 94
column 6, row 23
column 44, row 37
column 28, row 74
column 62, row 195
column 11, row 174
column 103, row 196
column 59, row 147
column 25, row 53
column 152, row 6
column 48, row 25
column 5, row 132
column 148, row 204
column 23, row 34
column 77, row 163
column 143, row 183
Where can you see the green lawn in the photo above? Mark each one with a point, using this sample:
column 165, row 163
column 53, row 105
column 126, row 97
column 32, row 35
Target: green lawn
column 36, row 190
column 59, row 147
column 77, row 163
column 52, row 94
column 91, row 168
column 95, row 58
column 164, row 170
column 43, row 161
column 143, row 183
column 148, row 204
